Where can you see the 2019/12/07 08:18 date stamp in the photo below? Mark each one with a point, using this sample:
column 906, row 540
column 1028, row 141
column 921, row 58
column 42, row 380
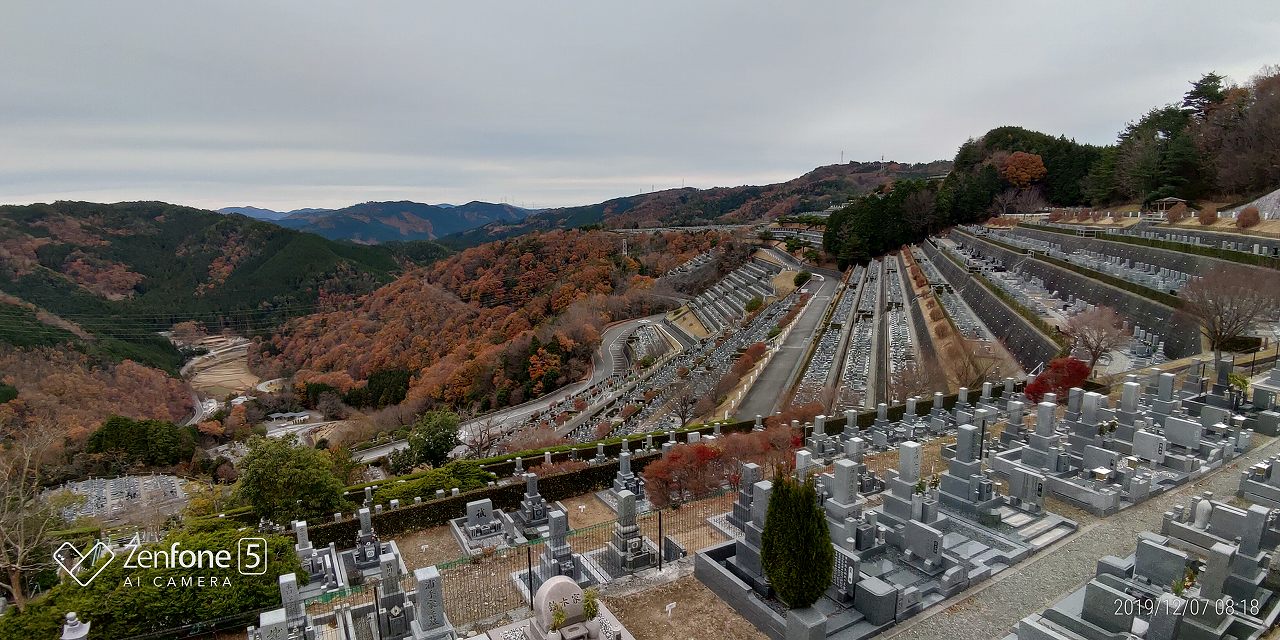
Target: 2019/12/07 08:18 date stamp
column 1192, row 606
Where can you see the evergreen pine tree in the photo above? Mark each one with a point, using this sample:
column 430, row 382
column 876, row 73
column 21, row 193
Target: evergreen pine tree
column 795, row 546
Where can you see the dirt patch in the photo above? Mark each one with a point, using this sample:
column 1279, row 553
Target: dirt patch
column 594, row 512
column 698, row 613
column 784, row 283
column 223, row 375
column 429, row 546
column 685, row 319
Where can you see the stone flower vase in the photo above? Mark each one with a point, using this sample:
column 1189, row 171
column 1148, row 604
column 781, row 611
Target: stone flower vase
column 554, row 635
column 593, row 627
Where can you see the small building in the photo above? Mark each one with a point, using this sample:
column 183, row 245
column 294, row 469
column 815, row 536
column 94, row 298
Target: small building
column 1160, row 208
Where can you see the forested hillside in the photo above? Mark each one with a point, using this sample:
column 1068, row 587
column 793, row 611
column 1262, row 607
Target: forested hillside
column 86, row 288
column 1220, row 142
column 107, row 277
column 375, row 222
column 491, row 326
column 815, row 190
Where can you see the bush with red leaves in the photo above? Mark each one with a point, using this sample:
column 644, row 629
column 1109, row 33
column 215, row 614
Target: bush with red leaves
column 1061, row 375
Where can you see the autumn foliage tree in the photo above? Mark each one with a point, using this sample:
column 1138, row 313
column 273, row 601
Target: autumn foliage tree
column 1021, row 169
column 1176, row 213
column 1248, row 217
column 1060, row 376
column 1207, row 216
column 690, row 471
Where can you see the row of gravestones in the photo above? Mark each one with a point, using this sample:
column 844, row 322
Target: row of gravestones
column 1211, row 572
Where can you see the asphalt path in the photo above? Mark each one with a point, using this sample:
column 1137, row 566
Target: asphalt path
column 776, row 378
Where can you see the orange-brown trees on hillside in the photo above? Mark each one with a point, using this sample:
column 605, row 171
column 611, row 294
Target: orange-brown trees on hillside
column 69, row 389
column 491, row 326
column 1177, row 213
column 1022, row 168
column 1208, row 215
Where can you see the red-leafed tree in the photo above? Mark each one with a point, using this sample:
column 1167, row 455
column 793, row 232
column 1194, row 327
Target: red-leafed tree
column 1061, row 375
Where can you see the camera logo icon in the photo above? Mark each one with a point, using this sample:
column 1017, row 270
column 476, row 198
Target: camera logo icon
column 251, row 556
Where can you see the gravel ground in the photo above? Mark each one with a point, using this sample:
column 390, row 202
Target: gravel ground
column 1032, row 587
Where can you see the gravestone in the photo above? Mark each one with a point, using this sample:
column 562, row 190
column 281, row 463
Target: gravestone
column 481, row 520
column 557, row 593
column 740, row 514
column 628, row 551
column 533, row 507
column 430, row 621
column 367, row 549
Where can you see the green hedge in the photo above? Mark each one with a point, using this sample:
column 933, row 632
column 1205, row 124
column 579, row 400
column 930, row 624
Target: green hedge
column 431, row 513
column 505, row 464
column 1182, row 247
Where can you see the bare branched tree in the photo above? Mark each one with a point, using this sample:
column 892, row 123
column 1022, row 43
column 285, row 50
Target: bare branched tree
column 976, row 367
column 1228, row 300
column 27, row 521
column 912, row 379
column 684, row 404
column 1004, row 202
column 1097, row 332
column 483, row 438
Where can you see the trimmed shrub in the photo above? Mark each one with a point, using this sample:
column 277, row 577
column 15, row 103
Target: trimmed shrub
column 796, row 545
column 1248, row 217
column 1207, row 216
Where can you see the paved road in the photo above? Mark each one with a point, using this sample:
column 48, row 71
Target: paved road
column 602, row 363
column 996, row 607
column 777, row 376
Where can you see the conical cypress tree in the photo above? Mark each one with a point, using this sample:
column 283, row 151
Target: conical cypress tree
column 795, row 547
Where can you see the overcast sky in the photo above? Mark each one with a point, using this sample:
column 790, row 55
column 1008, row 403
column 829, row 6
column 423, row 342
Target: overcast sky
column 287, row 105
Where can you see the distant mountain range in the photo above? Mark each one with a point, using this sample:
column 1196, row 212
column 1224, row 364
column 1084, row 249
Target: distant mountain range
column 378, row 222
column 475, row 223
column 816, row 190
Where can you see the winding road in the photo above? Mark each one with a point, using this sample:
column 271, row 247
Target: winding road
column 603, row 362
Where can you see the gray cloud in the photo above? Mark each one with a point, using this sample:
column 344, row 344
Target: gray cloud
column 551, row 103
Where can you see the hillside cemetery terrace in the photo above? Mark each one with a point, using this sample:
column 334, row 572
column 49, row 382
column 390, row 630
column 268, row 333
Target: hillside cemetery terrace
column 1211, row 571
column 1104, row 458
column 925, row 542
column 125, row 499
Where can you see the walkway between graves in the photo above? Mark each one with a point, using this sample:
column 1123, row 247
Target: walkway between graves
column 992, row 610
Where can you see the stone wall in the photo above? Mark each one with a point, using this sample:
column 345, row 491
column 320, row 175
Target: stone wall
column 1027, row 344
column 1180, row 333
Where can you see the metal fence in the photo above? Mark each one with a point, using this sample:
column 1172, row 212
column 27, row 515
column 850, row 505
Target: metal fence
column 483, row 590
